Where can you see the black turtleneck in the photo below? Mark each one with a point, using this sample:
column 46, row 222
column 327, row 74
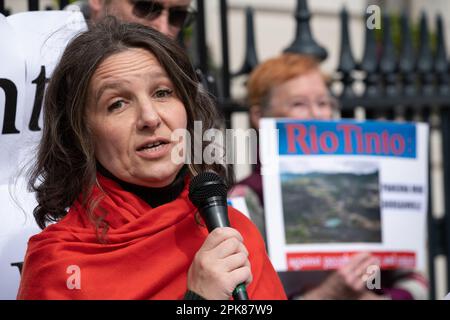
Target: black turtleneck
column 153, row 196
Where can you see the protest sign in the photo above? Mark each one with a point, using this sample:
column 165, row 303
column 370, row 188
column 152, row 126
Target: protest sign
column 335, row 188
column 32, row 43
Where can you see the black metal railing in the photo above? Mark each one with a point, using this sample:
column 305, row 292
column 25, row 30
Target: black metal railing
column 407, row 83
column 415, row 82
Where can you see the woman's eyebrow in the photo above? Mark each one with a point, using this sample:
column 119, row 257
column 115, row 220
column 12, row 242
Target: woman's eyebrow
column 107, row 86
column 153, row 75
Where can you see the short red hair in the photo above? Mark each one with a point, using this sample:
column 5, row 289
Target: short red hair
column 276, row 71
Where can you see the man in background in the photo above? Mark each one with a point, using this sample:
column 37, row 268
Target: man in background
column 167, row 16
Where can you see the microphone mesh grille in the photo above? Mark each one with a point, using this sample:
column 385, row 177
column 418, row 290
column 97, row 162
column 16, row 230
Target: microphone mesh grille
column 205, row 185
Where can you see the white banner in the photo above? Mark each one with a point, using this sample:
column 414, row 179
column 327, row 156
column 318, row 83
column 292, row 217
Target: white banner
column 32, row 43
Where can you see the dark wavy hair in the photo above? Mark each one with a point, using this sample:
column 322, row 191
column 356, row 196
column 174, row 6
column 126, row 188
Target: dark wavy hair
column 65, row 167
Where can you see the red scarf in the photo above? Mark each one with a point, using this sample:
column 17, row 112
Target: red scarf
column 147, row 253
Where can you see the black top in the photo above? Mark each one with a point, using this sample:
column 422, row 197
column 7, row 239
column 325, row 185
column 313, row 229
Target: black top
column 153, row 196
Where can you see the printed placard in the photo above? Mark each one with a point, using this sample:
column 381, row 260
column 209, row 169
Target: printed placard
column 334, row 188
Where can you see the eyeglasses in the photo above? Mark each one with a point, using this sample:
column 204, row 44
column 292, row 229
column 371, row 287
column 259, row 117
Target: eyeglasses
column 179, row 17
column 325, row 102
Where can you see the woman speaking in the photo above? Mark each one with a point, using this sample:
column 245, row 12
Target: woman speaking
column 124, row 227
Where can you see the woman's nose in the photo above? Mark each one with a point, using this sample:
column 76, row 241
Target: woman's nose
column 318, row 113
column 148, row 116
column 314, row 111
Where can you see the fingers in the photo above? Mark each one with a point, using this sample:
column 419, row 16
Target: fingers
column 220, row 265
column 229, row 247
column 219, row 235
column 356, row 279
column 235, row 261
column 347, row 282
column 356, row 261
column 353, row 272
column 362, row 268
column 242, row 275
column 357, row 264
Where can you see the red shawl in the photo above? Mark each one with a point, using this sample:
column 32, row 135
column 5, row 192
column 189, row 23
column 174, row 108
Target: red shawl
column 147, row 254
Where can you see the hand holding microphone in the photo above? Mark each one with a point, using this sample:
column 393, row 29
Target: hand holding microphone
column 221, row 266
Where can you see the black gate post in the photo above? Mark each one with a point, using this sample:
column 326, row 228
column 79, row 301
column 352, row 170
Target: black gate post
column 33, row 5
column 226, row 95
column 445, row 234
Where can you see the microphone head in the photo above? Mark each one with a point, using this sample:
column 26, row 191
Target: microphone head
column 205, row 185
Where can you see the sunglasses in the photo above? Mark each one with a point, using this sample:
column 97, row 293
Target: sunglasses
column 179, row 17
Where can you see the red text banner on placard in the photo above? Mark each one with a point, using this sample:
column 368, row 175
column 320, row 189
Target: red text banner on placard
column 334, row 260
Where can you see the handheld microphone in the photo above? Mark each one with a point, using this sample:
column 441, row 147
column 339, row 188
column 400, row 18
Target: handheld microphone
column 208, row 192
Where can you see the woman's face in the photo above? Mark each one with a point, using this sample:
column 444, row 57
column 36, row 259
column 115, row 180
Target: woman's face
column 132, row 110
column 304, row 97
